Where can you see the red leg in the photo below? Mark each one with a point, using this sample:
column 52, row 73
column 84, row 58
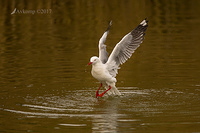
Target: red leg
column 97, row 93
column 101, row 95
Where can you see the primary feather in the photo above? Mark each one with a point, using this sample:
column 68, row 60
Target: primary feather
column 126, row 47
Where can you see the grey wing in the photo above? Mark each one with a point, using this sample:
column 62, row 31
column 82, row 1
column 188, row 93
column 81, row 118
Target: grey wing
column 126, row 47
column 103, row 54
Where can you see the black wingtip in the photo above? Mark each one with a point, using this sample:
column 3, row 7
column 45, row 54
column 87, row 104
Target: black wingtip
column 146, row 20
column 109, row 26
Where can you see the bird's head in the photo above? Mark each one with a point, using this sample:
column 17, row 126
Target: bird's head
column 93, row 60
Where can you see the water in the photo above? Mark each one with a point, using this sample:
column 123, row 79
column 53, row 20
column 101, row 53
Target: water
column 46, row 85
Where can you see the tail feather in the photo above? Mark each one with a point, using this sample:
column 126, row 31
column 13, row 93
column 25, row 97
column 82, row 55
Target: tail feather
column 113, row 90
column 116, row 90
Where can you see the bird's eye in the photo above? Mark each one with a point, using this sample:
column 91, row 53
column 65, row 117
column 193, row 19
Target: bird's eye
column 94, row 59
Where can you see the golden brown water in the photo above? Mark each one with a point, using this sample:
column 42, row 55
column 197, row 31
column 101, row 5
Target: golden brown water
column 46, row 85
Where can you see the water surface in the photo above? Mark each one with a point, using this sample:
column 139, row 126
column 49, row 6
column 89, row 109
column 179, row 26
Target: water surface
column 46, row 85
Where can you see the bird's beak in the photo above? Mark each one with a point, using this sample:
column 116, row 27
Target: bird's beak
column 89, row 63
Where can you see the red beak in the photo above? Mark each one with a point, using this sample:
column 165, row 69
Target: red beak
column 89, row 63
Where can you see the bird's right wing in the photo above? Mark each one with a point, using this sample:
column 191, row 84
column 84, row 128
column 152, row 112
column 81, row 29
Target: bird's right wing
column 103, row 54
column 126, row 47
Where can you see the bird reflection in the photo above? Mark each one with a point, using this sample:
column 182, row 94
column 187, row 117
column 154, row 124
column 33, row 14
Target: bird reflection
column 107, row 116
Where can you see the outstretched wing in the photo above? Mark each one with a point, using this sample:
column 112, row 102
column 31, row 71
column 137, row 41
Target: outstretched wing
column 126, row 47
column 103, row 54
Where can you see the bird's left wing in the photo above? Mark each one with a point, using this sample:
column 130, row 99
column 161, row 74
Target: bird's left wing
column 126, row 47
column 103, row 54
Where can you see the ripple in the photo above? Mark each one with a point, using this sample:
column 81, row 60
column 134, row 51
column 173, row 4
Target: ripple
column 55, row 115
column 46, row 114
column 126, row 120
column 53, row 108
column 73, row 125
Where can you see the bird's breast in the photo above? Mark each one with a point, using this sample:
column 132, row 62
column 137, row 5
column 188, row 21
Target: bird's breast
column 98, row 72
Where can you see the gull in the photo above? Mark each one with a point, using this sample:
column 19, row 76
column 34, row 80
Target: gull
column 105, row 69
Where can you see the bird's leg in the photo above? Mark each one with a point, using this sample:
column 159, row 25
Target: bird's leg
column 101, row 95
column 97, row 93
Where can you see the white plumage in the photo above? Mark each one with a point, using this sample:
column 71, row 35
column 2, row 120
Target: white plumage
column 105, row 69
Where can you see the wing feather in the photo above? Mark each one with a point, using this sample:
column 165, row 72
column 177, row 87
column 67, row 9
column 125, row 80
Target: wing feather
column 103, row 54
column 126, row 47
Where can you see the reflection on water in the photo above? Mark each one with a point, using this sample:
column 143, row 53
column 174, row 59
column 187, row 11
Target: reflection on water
column 137, row 109
column 46, row 85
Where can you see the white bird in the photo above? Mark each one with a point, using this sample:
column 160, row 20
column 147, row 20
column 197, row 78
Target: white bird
column 105, row 69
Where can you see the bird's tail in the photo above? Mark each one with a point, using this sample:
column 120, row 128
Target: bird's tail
column 113, row 90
